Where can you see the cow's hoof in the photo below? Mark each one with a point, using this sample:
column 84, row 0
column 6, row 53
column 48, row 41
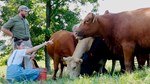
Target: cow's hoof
column 104, row 70
column 54, row 78
column 122, row 71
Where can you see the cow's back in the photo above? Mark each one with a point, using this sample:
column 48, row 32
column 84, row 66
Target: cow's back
column 128, row 26
column 64, row 44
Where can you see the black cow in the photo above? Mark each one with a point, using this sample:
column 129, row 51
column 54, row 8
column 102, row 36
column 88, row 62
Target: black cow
column 99, row 52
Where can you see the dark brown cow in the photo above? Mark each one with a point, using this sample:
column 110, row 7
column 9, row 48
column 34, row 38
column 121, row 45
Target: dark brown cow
column 64, row 44
column 126, row 33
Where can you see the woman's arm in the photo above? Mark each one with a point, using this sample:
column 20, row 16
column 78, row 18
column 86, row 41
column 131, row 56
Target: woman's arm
column 33, row 49
column 33, row 55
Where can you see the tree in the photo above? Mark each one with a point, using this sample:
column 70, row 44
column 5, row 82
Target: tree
column 37, row 18
column 55, row 13
column 47, row 57
column 58, row 16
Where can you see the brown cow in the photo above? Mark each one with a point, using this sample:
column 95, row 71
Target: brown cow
column 64, row 43
column 140, row 60
column 126, row 33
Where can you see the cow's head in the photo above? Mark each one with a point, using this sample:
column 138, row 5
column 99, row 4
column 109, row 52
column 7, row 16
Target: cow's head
column 73, row 66
column 88, row 27
column 73, row 29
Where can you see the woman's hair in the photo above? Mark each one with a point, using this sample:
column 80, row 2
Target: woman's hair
column 18, row 43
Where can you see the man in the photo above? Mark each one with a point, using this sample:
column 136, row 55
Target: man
column 18, row 28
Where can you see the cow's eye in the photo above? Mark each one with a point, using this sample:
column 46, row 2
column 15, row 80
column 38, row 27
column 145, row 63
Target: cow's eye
column 87, row 21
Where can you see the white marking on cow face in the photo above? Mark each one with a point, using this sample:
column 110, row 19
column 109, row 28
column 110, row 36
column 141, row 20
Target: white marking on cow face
column 73, row 66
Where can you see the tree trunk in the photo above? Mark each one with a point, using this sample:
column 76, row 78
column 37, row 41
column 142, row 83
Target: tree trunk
column 47, row 57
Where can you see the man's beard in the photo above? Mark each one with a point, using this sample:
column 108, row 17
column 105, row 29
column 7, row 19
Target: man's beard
column 23, row 15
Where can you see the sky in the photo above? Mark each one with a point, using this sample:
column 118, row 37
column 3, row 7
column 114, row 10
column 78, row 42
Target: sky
column 114, row 6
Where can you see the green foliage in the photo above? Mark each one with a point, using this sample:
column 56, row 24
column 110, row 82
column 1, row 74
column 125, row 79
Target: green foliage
column 84, row 1
column 95, row 8
column 1, row 42
column 61, row 18
column 4, row 56
column 3, row 60
column 64, row 19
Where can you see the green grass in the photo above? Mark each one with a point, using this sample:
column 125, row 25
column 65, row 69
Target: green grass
column 137, row 77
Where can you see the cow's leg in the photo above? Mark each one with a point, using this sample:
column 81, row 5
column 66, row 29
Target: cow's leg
column 56, row 63
column 141, row 58
column 128, row 49
column 102, row 63
column 61, row 69
column 121, row 61
column 148, row 61
column 113, row 66
column 133, row 68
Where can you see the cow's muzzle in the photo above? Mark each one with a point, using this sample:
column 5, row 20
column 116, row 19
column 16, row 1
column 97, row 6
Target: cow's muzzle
column 79, row 35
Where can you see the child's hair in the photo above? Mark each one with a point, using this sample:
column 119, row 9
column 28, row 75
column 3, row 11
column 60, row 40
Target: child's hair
column 18, row 43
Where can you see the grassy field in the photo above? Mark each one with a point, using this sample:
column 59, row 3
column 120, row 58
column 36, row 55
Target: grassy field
column 137, row 77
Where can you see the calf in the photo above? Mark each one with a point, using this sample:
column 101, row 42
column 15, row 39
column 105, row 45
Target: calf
column 64, row 44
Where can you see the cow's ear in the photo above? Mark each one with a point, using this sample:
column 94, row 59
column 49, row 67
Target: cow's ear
column 67, row 59
column 94, row 19
column 79, row 61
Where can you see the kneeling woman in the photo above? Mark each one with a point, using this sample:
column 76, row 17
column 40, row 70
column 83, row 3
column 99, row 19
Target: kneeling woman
column 15, row 71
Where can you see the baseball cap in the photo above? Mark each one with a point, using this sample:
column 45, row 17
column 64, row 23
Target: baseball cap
column 23, row 7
